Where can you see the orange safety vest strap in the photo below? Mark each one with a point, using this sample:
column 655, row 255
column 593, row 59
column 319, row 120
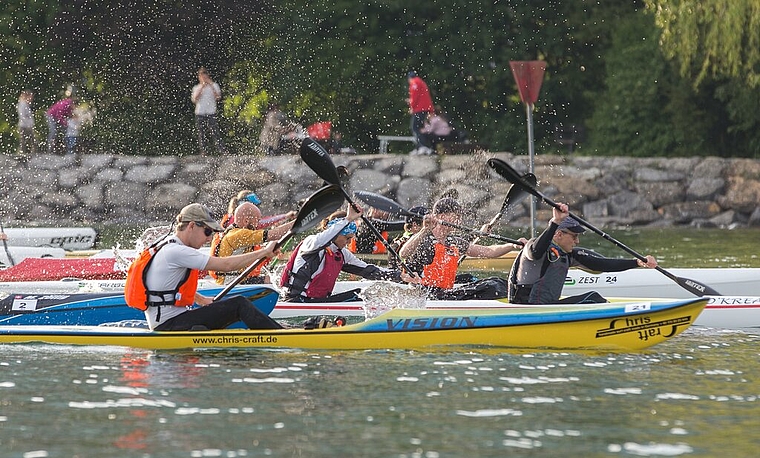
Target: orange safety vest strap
column 137, row 295
column 442, row 271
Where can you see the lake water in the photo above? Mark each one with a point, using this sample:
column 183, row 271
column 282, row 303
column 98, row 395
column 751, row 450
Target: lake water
column 697, row 395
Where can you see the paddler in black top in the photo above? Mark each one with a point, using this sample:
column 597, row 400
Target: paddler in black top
column 539, row 271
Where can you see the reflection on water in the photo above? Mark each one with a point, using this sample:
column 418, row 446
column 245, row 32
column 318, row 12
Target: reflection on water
column 695, row 395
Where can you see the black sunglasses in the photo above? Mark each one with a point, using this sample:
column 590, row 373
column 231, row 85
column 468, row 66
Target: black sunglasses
column 206, row 230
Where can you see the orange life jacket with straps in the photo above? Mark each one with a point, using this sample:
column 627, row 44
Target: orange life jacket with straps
column 137, row 295
column 442, row 271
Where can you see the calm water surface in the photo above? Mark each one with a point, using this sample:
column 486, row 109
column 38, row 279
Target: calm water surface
column 697, row 395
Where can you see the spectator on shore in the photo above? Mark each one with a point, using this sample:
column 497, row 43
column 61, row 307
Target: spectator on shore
column 437, row 129
column 73, row 129
column 277, row 131
column 58, row 116
column 205, row 94
column 420, row 105
column 27, row 144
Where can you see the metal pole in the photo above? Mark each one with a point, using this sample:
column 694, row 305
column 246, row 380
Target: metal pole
column 529, row 111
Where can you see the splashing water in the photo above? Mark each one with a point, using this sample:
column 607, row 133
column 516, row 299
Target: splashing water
column 383, row 296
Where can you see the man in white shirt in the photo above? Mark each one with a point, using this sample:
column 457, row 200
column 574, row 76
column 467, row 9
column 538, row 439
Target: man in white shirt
column 169, row 283
column 204, row 96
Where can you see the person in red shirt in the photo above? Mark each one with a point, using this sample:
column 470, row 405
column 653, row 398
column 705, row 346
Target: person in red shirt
column 58, row 116
column 420, row 105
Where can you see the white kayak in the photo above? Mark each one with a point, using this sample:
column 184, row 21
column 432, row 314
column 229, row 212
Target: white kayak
column 68, row 238
column 19, row 253
column 650, row 282
column 75, row 285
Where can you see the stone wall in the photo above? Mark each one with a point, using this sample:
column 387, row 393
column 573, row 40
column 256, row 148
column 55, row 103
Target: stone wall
column 607, row 191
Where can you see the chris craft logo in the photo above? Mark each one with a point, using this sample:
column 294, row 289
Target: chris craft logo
column 644, row 326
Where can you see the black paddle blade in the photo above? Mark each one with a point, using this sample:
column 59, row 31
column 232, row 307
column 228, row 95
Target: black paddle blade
column 502, row 168
column 383, row 203
column 696, row 288
column 518, row 193
column 319, row 160
column 317, row 207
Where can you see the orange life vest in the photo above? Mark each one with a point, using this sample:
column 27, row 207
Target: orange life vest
column 442, row 271
column 379, row 247
column 136, row 293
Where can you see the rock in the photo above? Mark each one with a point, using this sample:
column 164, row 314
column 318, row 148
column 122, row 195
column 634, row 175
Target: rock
column 595, row 209
column 414, row 191
column 660, row 193
column 369, row 180
column 704, row 188
column 420, row 166
column 684, row 212
column 741, row 194
column 150, row 173
column 91, row 196
column 625, row 203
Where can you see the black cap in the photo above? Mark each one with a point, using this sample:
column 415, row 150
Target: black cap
column 411, row 74
column 572, row 225
column 447, row 205
column 420, row 210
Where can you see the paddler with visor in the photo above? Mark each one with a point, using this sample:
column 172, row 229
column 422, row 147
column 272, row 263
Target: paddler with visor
column 315, row 264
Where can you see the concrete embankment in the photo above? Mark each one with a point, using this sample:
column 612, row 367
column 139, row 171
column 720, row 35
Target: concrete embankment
column 607, row 191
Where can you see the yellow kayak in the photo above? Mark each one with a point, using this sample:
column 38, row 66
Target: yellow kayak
column 625, row 326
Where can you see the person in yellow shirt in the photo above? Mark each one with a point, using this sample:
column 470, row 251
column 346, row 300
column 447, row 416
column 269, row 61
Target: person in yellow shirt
column 242, row 237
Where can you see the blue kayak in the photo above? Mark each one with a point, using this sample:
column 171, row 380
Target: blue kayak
column 93, row 309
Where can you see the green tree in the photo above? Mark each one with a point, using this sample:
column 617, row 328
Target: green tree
column 28, row 61
column 647, row 109
column 720, row 38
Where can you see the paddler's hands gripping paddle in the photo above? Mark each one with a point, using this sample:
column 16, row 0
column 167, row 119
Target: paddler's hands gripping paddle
column 317, row 207
column 505, row 170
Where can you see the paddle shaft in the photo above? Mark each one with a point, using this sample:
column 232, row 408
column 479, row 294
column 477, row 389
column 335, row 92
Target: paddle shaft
column 374, row 230
column 250, row 268
column 694, row 287
column 515, row 195
column 479, row 233
column 5, row 245
column 385, row 204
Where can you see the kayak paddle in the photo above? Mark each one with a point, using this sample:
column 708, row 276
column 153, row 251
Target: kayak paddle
column 317, row 207
column 505, row 170
column 515, row 195
column 318, row 159
column 388, row 205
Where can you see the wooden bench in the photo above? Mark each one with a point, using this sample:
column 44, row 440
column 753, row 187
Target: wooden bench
column 384, row 139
